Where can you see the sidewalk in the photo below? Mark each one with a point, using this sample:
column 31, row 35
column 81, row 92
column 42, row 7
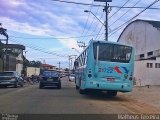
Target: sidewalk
column 147, row 95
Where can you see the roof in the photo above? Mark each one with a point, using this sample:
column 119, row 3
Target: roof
column 155, row 24
column 22, row 47
column 47, row 65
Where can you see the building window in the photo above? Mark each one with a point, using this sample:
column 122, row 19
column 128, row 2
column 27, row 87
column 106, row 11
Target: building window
column 149, row 65
column 141, row 55
column 157, row 65
column 150, row 53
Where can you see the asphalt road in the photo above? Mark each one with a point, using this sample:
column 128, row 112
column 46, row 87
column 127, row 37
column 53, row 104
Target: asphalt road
column 32, row 100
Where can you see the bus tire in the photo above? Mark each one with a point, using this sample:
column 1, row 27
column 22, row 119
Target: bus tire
column 81, row 91
column 111, row 93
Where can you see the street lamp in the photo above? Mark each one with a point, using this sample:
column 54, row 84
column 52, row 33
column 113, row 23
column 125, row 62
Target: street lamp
column 95, row 16
column 76, row 50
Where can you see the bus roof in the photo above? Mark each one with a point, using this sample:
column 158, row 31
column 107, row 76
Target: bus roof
column 94, row 41
column 100, row 41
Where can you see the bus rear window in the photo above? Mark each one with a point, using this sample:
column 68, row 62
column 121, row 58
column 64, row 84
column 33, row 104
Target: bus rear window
column 112, row 52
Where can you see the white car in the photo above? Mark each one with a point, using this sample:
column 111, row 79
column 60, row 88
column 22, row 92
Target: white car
column 72, row 77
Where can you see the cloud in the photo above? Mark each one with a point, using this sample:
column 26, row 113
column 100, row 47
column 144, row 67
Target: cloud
column 11, row 3
column 70, row 43
column 24, row 27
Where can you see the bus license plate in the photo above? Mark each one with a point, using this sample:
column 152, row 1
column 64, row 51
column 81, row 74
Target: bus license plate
column 49, row 79
column 110, row 79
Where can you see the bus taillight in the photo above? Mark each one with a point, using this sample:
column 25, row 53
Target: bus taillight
column 89, row 75
column 130, row 78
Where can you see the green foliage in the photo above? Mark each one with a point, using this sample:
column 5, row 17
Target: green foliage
column 35, row 64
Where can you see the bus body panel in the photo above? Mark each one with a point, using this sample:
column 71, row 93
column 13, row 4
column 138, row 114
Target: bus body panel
column 105, row 75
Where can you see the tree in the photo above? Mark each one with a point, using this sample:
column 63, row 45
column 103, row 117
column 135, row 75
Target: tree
column 35, row 64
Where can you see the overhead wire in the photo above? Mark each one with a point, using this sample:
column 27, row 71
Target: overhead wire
column 118, row 9
column 111, row 17
column 77, row 3
column 91, row 23
column 119, row 27
column 98, row 24
column 38, row 49
column 87, row 18
column 124, row 13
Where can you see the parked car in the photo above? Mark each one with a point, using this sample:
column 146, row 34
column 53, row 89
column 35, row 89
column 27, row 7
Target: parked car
column 72, row 77
column 11, row 78
column 50, row 78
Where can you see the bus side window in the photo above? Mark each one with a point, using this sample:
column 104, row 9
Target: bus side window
column 76, row 64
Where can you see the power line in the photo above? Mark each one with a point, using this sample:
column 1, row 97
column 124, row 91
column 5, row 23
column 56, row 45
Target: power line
column 91, row 22
column 87, row 19
column 40, row 50
column 119, row 27
column 54, row 37
column 124, row 13
column 99, row 32
column 98, row 24
column 77, row 3
column 111, row 17
column 118, row 9
column 87, row 4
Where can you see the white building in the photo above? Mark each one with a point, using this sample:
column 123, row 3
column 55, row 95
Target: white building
column 144, row 35
column 32, row 71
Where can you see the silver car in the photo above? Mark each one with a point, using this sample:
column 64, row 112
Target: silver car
column 11, row 78
column 72, row 77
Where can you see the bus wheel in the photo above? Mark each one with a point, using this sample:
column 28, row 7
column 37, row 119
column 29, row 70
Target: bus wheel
column 81, row 91
column 77, row 87
column 111, row 93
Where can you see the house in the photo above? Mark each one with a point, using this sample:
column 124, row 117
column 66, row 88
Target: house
column 14, row 58
column 144, row 35
column 48, row 67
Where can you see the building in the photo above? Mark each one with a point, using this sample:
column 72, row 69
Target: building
column 144, row 35
column 48, row 67
column 32, row 71
column 15, row 58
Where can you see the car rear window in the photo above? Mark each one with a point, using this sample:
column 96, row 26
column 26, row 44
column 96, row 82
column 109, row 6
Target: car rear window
column 50, row 74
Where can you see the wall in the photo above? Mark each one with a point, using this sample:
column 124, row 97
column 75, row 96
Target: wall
column 145, row 38
column 19, row 64
column 142, row 35
column 147, row 76
column 33, row 71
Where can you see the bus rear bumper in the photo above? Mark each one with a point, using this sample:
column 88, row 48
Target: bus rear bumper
column 122, row 87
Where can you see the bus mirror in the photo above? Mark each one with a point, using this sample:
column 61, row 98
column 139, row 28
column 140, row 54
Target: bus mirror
column 76, row 64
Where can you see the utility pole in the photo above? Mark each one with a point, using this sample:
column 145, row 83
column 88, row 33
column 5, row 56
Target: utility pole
column 106, row 10
column 70, row 62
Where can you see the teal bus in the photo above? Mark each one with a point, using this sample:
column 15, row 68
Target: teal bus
column 105, row 66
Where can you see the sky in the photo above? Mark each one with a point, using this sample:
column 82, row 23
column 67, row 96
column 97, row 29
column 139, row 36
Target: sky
column 50, row 29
